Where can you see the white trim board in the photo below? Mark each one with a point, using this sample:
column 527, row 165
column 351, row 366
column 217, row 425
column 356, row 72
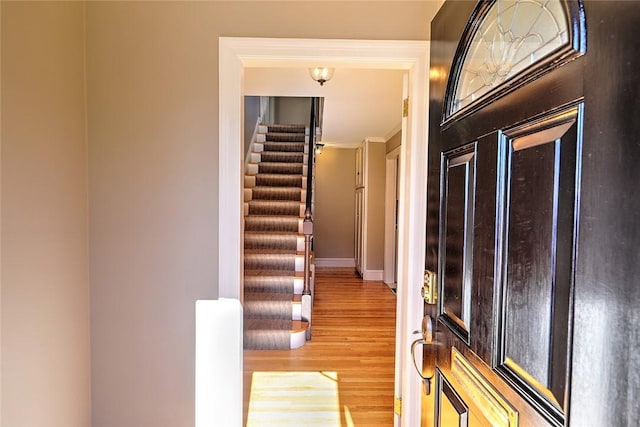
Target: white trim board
column 390, row 194
column 335, row 262
column 372, row 275
column 236, row 54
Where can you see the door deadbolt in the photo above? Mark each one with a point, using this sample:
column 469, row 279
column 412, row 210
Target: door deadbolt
column 429, row 288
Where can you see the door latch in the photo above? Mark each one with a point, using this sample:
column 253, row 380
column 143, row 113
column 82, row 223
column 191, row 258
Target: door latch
column 427, row 339
column 429, row 290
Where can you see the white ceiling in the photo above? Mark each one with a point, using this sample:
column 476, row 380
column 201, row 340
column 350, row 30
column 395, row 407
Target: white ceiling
column 358, row 103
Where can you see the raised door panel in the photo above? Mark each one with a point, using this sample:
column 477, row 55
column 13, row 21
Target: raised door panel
column 456, row 239
column 537, row 246
column 467, row 233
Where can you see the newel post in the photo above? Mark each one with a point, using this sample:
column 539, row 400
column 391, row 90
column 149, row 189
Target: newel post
column 307, row 229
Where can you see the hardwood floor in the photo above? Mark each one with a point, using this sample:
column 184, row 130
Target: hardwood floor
column 342, row 377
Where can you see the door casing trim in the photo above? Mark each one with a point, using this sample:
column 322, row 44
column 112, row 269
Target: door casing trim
column 391, row 174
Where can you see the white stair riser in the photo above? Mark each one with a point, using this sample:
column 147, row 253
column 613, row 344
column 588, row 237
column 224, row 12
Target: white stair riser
column 298, row 339
column 296, row 310
column 251, row 169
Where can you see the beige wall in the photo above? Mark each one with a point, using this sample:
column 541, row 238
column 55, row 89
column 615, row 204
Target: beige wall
column 292, row 110
column 152, row 115
column 334, row 217
column 375, row 180
column 152, row 73
column 45, row 291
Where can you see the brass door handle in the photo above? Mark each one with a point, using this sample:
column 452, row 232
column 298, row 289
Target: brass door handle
column 427, row 339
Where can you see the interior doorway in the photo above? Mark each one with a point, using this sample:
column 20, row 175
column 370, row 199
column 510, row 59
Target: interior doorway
column 237, row 53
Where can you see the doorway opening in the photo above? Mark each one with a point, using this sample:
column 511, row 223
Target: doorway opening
column 235, row 55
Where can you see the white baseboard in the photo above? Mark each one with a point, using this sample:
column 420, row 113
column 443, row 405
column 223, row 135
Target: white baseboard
column 373, row 275
column 335, row 262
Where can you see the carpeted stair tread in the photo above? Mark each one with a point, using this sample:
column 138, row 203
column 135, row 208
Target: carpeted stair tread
column 275, row 324
column 283, row 224
column 265, row 240
column 272, row 273
column 293, row 137
column 284, row 145
column 268, row 305
column 278, row 180
column 273, row 251
column 291, row 128
column 276, row 193
column 269, row 207
column 270, row 334
column 280, row 168
column 256, row 233
column 268, row 296
column 269, row 284
column 269, row 261
column 281, row 157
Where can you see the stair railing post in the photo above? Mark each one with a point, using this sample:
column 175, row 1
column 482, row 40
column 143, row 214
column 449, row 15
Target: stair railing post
column 307, row 225
column 307, row 229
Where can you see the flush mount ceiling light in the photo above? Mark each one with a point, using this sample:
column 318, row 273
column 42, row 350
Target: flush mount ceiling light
column 321, row 74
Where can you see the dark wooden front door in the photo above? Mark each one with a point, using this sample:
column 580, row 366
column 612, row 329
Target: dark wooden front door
column 531, row 181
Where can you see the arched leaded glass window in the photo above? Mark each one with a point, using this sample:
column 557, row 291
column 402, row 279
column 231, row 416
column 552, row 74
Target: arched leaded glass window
column 504, row 40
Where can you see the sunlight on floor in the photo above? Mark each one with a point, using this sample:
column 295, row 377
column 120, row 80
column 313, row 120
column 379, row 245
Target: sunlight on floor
column 294, row 399
column 347, row 416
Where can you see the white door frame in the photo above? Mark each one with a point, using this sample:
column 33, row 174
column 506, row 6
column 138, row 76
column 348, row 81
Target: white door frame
column 235, row 54
column 390, row 194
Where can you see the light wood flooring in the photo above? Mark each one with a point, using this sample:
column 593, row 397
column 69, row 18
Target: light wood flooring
column 344, row 376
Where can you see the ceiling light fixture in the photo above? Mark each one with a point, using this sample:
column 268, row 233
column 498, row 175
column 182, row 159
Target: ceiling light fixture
column 321, row 74
column 319, row 147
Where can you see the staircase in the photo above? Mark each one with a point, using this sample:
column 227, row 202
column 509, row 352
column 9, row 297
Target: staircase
column 274, row 194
